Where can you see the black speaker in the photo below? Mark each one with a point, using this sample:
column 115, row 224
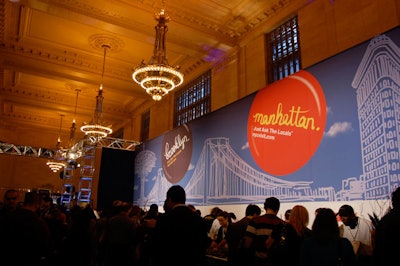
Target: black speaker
column 116, row 177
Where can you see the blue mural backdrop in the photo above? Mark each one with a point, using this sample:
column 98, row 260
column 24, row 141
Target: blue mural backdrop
column 356, row 159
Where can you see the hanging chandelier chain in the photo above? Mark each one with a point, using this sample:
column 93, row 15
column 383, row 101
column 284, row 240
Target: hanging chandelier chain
column 105, row 46
column 61, row 119
column 57, row 163
column 59, row 131
column 95, row 129
column 73, row 126
column 76, row 103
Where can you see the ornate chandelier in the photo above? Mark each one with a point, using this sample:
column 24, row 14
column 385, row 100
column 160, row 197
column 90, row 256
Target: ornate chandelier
column 58, row 161
column 158, row 77
column 55, row 166
column 73, row 153
column 73, row 125
column 96, row 128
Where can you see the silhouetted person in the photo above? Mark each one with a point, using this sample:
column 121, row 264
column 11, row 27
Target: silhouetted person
column 387, row 234
column 359, row 231
column 180, row 235
column 237, row 254
column 121, row 238
column 148, row 224
column 326, row 247
column 25, row 237
column 260, row 229
column 287, row 214
column 212, row 223
column 10, row 202
column 77, row 247
column 284, row 244
column 219, row 247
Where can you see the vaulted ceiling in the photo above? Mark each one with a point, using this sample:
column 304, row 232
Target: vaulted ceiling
column 52, row 49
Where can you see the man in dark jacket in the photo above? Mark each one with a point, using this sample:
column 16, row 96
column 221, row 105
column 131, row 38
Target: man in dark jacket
column 180, row 235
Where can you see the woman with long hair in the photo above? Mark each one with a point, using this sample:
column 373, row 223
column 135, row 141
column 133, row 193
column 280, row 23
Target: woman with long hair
column 326, row 247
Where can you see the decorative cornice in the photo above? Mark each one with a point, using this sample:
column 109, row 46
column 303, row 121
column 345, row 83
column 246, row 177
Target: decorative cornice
column 65, row 58
column 115, row 18
column 57, row 99
column 231, row 29
column 32, row 118
column 228, row 33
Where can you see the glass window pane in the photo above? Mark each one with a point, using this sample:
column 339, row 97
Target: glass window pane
column 283, row 58
column 193, row 100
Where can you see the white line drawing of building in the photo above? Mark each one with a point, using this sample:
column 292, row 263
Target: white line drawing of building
column 377, row 84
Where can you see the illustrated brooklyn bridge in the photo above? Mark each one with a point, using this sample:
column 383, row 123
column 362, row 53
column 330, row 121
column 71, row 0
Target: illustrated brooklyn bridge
column 220, row 175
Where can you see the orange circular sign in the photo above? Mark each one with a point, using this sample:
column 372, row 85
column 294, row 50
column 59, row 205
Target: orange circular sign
column 286, row 123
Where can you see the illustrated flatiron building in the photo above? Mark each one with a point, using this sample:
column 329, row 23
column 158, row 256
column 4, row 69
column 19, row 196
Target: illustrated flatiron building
column 377, row 84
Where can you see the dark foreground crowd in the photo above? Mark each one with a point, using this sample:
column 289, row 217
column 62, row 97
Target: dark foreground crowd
column 39, row 232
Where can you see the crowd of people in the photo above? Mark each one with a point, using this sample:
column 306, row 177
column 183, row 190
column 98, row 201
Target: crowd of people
column 40, row 232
